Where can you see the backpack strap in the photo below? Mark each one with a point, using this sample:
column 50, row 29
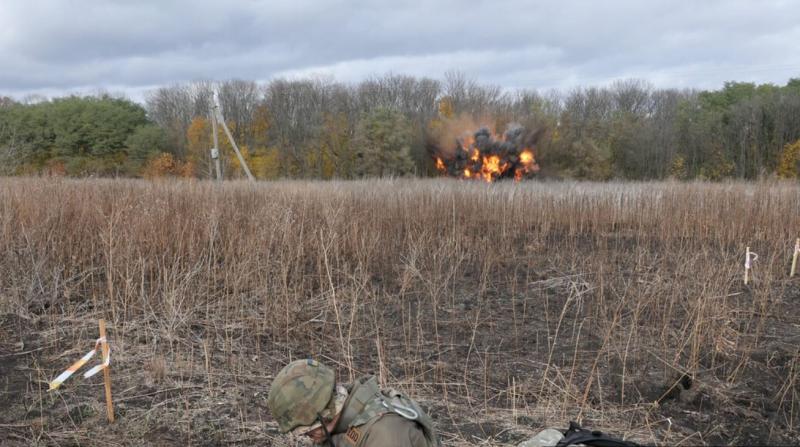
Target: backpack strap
column 360, row 404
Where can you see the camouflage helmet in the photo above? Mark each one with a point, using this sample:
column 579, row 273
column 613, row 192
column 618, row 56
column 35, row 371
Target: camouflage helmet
column 301, row 391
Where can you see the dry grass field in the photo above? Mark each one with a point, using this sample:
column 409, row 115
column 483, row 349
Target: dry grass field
column 504, row 308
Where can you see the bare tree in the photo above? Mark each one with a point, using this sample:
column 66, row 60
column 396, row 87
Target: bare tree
column 172, row 108
column 239, row 100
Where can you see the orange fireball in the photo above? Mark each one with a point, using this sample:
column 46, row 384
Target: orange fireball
column 487, row 156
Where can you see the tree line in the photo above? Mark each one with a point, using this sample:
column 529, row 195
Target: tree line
column 318, row 128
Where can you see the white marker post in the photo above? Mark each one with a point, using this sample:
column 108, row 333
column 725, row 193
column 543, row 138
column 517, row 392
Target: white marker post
column 794, row 257
column 749, row 259
column 747, row 266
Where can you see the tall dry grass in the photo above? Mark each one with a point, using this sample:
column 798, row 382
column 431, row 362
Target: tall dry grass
column 501, row 306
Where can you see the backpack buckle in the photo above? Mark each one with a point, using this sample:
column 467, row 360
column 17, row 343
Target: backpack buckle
column 402, row 410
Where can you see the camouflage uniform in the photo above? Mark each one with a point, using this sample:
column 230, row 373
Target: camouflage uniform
column 304, row 394
column 375, row 418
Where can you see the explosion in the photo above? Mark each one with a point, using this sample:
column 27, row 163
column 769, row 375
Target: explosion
column 489, row 157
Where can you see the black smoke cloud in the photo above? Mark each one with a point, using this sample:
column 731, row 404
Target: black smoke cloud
column 487, row 157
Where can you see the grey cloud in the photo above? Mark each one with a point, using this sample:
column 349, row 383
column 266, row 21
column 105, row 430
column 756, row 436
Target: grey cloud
column 51, row 45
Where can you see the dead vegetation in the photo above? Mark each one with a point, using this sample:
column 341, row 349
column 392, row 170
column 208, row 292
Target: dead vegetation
column 505, row 308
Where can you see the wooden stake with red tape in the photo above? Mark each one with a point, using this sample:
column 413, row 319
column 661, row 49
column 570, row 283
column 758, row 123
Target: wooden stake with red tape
column 102, row 344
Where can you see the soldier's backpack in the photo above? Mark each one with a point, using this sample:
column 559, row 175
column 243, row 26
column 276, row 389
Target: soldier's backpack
column 400, row 404
column 367, row 401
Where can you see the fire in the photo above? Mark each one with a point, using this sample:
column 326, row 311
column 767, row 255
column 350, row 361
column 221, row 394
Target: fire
column 526, row 157
column 489, row 157
column 491, row 165
column 527, row 165
column 491, row 168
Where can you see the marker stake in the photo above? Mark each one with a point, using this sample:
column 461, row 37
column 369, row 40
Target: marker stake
column 106, row 372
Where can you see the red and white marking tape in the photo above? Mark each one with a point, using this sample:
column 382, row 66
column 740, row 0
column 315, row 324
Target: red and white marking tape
column 77, row 365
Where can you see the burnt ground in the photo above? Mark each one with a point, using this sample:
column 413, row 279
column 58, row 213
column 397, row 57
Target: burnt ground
column 505, row 309
column 208, row 386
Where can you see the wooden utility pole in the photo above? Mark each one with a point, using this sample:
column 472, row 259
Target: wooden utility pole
column 215, row 149
column 221, row 119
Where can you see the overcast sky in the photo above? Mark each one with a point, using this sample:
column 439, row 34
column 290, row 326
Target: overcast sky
column 54, row 47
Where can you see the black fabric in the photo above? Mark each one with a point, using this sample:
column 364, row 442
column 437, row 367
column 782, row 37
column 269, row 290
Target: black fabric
column 577, row 435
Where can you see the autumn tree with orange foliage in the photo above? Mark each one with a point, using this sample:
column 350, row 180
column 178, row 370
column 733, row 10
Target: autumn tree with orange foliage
column 166, row 165
column 264, row 160
column 199, row 142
